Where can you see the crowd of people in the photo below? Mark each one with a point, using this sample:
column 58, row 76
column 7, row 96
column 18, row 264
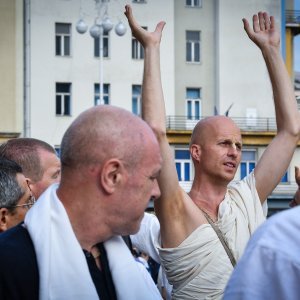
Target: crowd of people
column 76, row 227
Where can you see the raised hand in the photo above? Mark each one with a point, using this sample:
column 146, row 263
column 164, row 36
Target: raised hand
column 264, row 32
column 145, row 37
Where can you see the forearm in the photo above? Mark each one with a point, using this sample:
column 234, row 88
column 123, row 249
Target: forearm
column 153, row 106
column 287, row 116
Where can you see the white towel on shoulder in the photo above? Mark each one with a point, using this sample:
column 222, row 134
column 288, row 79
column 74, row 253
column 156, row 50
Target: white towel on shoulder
column 63, row 269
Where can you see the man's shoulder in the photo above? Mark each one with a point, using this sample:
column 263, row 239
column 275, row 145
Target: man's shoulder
column 15, row 239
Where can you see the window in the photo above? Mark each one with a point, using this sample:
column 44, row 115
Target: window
column 106, row 90
column 136, row 99
column 285, row 178
column 183, row 164
column 248, row 162
column 105, row 39
column 57, row 150
column 193, row 46
column 62, row 39
column 63, row 99
column 193, row 103
column 193, row 3
column 137, row 51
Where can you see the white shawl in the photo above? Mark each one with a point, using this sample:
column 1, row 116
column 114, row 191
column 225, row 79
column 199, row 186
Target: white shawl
column 63, row 269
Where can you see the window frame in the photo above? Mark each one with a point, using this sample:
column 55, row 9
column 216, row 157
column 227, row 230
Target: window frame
column 62, row 39
column 190, row 47
column 182, row 163
column 106, row 94
column 137, row 50
column 248, row 162
column 106, row 45
column 194, row 101
column 138, row 98
column 64, row 97
column 193, row 3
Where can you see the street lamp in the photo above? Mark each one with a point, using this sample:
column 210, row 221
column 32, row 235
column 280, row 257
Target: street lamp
column 102, row 25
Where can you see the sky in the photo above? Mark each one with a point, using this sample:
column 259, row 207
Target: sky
column 297, row 43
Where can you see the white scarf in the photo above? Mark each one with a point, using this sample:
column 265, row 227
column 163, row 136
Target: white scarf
column 63, row 269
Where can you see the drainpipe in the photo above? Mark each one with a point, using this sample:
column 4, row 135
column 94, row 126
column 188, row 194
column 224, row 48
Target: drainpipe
column 27, row 115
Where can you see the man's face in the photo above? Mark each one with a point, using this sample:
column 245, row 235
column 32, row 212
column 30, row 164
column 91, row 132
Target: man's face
column 17, row 214
column 51, row 166
column 221, row 151
column 140, row 187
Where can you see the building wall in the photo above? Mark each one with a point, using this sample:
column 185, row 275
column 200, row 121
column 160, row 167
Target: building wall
column 243, row 78
column 82, row 69
column 11, row 66
column 195, row 75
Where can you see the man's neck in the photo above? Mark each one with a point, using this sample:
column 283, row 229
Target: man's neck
column 208, row 197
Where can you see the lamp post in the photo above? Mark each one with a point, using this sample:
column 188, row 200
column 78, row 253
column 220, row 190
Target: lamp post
column 102, row 25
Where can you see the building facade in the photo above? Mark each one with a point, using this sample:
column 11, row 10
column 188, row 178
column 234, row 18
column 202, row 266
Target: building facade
column 209, row 66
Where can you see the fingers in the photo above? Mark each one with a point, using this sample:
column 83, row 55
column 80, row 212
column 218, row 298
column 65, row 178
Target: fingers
column 272, row 22
column 256, row 26
column 247, row 27
column 266, row 21
column 160, row 26
column 131, row 20
column 262, row 22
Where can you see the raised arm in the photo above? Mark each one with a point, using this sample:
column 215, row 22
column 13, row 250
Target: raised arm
column 276, row 158
column 296, row 200
column 174, row 209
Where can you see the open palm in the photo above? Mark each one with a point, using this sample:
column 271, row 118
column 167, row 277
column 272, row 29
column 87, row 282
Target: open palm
column 264, row 32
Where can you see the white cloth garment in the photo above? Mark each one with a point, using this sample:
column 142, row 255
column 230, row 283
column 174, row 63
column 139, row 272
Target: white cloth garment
column 63, row 269
column 270, row 265
column 199, row 267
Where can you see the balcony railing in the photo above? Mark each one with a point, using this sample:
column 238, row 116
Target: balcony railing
column 282, row 190
column 292, row 17
column 245, row 124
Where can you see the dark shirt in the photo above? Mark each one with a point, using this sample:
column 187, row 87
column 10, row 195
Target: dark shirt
column 19, row 275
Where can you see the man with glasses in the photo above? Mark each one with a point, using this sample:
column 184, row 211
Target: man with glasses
column 15, row 195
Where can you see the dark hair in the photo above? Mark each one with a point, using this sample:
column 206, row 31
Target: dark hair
column 25, row 152
column 10, row 191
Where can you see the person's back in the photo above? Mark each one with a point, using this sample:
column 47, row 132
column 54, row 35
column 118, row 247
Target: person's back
column 270, row 266
column 19, row 276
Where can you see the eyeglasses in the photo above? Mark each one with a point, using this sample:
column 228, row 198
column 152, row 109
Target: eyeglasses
column 26, row 205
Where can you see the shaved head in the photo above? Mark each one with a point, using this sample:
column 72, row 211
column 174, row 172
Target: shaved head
column 103, row 132
column 206, row 127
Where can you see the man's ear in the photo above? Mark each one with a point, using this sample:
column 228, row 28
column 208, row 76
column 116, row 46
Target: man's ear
column 4, row 215
column 195, row 151
column 30, row 184
column 112, row 174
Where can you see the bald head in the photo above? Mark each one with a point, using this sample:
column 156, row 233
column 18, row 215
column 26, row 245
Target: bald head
column 103, row 132
column 212, row 126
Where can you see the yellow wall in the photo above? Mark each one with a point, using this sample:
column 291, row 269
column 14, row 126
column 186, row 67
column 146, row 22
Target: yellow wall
column 11, row 66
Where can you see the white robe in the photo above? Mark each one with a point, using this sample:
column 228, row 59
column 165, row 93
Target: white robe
column 199, row 267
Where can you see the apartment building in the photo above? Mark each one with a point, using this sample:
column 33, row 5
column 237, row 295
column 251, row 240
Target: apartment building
column 209, row 66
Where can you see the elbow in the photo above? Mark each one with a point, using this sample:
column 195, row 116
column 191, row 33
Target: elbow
column 294, row 132
column 159, row 131
column 292, row 128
